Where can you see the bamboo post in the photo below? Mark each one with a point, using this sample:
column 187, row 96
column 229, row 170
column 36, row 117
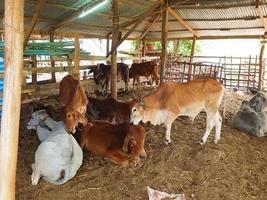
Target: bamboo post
column 249, row 64
column 53, row 74
column 164, row 37
column 192, row 58
column 14, row 34
column 143, row 50
column 115, row 35
column 34, row 65
column 76, row 68
column 261, row 65
column 108, row 36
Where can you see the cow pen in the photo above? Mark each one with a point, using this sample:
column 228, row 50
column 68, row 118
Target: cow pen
column 41, row 43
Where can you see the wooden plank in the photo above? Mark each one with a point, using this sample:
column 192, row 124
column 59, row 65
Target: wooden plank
column 260, row 13
column 149, row 27
column 115, row 36
column 34, row 21
column 183, row 23
column 14, row 34
column 53, row 74
column 76, row 69
column 261, row 66
column 191, row 58
column 164, row 36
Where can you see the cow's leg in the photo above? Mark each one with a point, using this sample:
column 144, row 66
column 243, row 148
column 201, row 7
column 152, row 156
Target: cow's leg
column 210, row 124
column 168, row 127
column 218, row 127
column 126, row 85
column 117, row 157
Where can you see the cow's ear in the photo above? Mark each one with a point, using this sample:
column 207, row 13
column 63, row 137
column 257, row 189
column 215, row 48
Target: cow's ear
column 126, row 143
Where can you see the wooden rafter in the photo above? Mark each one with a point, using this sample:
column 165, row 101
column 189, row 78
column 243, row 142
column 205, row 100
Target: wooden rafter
column 125, row 36
column 62, row 20
column 179, row 18
column 149, row 12
column 34, row 20
column 148, row 28
column 259, row 12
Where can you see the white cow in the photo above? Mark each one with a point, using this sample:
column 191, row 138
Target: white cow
column 59, row 156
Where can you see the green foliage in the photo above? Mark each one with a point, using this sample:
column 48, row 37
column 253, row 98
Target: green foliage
column 182, row 47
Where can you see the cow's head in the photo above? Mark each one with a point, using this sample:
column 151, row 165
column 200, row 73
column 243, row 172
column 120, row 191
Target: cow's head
column 137, row 113
column 36, row 118
column 258, row 102
column 99, row 75
column 72, row 118
column 134, row 142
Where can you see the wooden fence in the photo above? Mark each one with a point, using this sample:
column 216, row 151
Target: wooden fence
column 239, row 73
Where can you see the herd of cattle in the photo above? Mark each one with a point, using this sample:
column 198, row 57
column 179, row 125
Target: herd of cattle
column 112, row 129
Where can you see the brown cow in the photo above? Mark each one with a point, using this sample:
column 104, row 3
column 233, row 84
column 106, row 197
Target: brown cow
column 109, row 109
column 175, row 99
column 72, row 96
column 123, row 143
column 144, row 69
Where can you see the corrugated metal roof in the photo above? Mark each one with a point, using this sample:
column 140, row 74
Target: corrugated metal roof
column 208, row 17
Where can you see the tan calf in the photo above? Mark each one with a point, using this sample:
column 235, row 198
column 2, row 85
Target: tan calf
column 175, row 99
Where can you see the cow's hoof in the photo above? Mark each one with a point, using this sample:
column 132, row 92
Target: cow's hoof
column 216, row 141
column 202, row 142
column 167, row 142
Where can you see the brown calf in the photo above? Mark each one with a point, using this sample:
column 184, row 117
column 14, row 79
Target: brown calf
column 109, row 109
column 144, row 69
column 72, row 96
column 123, row 143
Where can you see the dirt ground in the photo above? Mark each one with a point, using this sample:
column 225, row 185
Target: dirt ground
column 234, row 169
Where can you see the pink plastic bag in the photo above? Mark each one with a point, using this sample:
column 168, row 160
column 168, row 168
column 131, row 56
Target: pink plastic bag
column 158, row 195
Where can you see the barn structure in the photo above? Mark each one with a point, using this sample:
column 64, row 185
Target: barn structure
column 115, row 20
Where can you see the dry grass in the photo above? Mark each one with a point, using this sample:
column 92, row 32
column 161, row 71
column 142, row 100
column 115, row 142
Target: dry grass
column 234, row 169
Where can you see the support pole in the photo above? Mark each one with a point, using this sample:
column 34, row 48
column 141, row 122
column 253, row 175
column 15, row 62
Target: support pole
column 115, row 35
column 34, row 65
column 14, row 34
column 164, row 36
column 76, row 68
column 108, row 36
column 143, row 50
column 53, row 74
column 261, row 65
column 191, row 58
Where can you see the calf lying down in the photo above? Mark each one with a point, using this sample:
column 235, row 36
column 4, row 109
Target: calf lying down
column 250, row 121
column 59, row 156
column 120, row 143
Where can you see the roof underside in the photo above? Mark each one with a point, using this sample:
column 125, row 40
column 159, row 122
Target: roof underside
column 207, row 17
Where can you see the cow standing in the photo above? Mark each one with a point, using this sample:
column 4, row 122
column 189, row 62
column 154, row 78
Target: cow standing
column 144, row 69
column 102, row 75
column 175, row 99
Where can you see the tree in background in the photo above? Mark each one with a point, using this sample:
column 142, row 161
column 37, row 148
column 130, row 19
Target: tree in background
column 182, row 47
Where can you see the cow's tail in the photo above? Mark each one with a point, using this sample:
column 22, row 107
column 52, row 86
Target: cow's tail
column 222, row 107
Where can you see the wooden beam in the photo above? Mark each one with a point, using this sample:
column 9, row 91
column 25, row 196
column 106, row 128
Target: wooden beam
column 164, row 36
column 14, row 34
column 143, row 50
column 34, row 21
column 108, row 39
column 66, row 18
column 148, row 28
column 34, row 65
column 76, row 68
column 115, row 36
column 114, row 47
column 261, row 66
column 191, row 58
column 183, row 23
column 53, row 74
column 149, row 12
column 259, row 12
